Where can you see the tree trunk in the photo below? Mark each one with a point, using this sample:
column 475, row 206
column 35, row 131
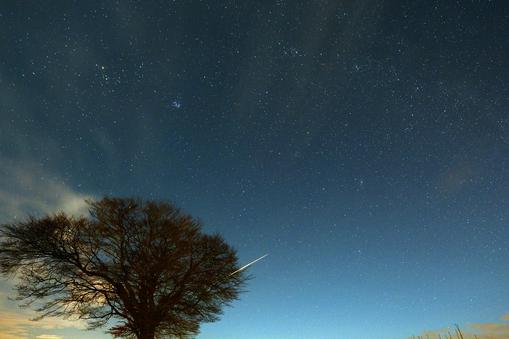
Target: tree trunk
column 146, row 335
column 147, row 332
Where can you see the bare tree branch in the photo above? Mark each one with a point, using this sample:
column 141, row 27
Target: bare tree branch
column 145, row 264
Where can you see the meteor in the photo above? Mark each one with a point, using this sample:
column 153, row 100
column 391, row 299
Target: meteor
column 247, row 265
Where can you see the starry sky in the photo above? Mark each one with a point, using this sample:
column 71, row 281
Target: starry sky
column 363, row 144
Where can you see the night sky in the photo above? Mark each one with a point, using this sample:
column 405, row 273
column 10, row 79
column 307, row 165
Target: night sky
column 363, row 144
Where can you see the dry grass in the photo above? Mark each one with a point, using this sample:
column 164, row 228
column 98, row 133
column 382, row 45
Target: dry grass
column 456, row 335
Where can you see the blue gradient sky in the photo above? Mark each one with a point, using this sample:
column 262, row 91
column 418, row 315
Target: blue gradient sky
column 363, row 145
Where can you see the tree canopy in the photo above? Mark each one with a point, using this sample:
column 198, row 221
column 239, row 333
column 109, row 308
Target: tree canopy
column 144, row 265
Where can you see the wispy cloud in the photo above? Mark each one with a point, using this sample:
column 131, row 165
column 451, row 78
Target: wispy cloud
column 29, row 189
column 12, row 333
column 17, row 325
column 48, row 336
column 26, row 188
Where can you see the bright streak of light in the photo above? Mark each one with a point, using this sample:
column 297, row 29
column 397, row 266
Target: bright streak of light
column 247, row 265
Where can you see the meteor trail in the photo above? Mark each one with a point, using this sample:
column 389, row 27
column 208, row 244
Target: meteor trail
column 247, row 265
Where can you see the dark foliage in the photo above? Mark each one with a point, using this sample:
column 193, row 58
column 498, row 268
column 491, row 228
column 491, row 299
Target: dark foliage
column 145, row 265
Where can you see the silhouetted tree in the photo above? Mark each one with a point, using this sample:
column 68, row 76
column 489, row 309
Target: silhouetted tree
column 144, row 264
